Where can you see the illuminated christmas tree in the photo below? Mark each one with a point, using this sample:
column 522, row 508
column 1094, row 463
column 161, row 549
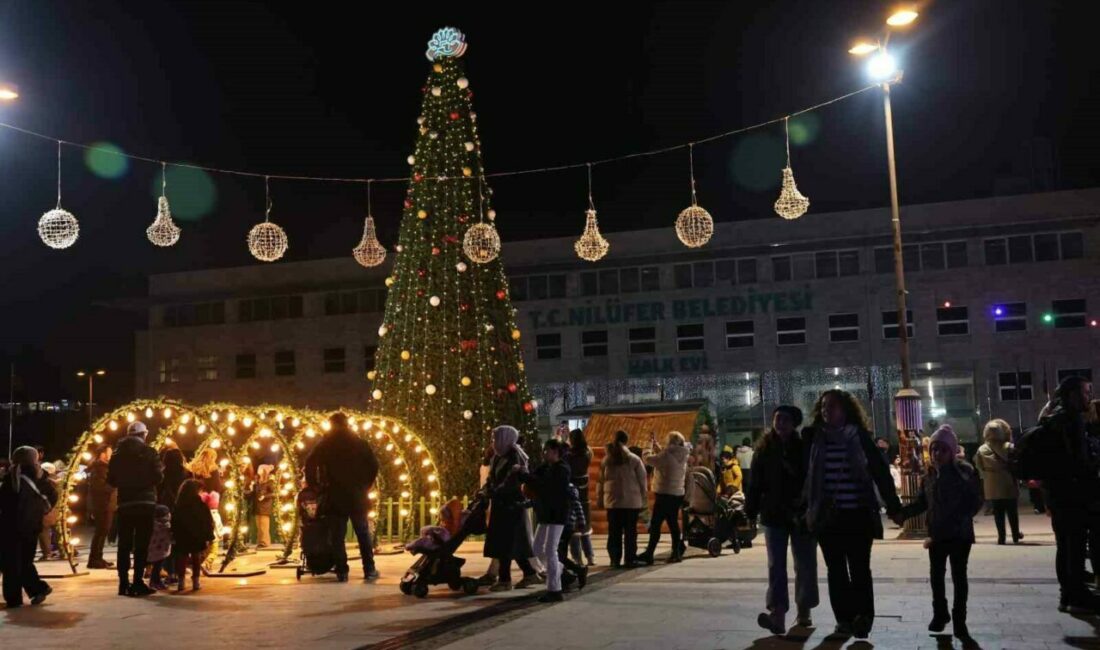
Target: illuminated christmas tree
column 449, row 362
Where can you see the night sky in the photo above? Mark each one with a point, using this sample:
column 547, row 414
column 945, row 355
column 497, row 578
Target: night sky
column 324, row 89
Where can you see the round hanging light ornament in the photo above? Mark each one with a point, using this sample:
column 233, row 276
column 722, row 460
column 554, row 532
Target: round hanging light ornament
column 791, row 204
column 163, row 231
column 694, row 226
column 58, row 228
column 370, row 252
column 591, row 246
column 267, row 241
column 481, row 243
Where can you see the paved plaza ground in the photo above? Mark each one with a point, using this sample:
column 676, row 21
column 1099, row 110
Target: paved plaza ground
column 702, row 603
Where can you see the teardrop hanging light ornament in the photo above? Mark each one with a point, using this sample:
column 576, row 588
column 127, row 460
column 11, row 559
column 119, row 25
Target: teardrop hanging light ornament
column 591, row 246
column 267, row 241
column 58, row 228
column 370, row 252
column 163, row 231
column 694, row 226
column 482, row 241
column 790, row 204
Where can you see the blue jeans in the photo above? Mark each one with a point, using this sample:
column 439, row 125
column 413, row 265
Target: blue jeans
column 804, row 549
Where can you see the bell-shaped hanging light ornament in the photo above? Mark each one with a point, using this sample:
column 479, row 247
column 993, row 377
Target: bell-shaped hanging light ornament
column 370, row 252
column 163, row 231
column 694, row 226
column 591, row 246
column 267, row 241
column 791, row 204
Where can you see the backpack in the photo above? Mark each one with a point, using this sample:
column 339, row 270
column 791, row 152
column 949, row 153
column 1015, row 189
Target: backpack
column 1033, row 456
column 32, row 509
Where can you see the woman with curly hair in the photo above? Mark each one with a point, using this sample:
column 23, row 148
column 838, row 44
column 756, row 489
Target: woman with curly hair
column 841, row 505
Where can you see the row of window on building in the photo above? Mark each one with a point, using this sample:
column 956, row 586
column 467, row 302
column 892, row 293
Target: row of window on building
column 249, row 310
column 929, row 256
column 1017, row 385
column 284, row 363
column 951, row 320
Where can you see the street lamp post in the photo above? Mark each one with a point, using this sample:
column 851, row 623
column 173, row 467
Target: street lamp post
column 907, row 404
column 91, row 375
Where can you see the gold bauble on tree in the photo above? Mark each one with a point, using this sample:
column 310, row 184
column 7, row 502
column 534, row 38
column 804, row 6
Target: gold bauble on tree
column 591, row 246
column 481, row 243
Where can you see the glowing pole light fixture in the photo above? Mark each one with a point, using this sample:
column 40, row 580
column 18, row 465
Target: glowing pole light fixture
column 902, row 17
column 882, row 67
column 862, row 47
column 8, row 92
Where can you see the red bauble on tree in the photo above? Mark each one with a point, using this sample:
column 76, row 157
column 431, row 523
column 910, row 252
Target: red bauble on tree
column 511, row 388
column 528, row 407
column 501, row 295
column 454, row 115
column 435, row 250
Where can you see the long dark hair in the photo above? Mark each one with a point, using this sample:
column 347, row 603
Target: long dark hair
column 578, row 444
column 853, row 410
column 189, row 493
column 616, row 451
column 173, row 460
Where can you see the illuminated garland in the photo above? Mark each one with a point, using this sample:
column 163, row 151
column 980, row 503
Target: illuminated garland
column 233, row 430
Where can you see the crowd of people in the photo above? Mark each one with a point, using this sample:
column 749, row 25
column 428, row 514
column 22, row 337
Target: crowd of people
column 823, row 485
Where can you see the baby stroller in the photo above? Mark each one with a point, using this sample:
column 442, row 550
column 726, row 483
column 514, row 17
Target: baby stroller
column 317, row 555
column 436, row 547
column 710, row 522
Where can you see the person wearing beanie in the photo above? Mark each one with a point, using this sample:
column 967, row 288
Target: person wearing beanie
column 135, row 469
column 951, row 494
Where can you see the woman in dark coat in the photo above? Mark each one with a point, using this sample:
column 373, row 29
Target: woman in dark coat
column 506, row 537
column 175, row 473
column 842, row 509
column 580, row 458
column 23, row 484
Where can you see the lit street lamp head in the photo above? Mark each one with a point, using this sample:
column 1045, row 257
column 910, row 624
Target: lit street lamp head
column 882, row 67
column 901, row 18
column 862, row 47
column 100, row 373
column 8, row 92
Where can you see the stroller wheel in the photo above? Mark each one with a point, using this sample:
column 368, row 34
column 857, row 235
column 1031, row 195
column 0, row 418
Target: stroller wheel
column 455, row 585
column 420, row 590
column 406, row 588
column 714, row 546
column 736, row 544
column 469, row 586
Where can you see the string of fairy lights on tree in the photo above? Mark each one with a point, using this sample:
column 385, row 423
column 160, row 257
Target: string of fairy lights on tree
column 268, row 242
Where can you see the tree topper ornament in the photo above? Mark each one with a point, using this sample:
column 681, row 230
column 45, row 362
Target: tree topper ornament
column 447, row 42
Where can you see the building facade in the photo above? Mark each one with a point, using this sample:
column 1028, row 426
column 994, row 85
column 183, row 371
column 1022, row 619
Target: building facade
column 1004, row 294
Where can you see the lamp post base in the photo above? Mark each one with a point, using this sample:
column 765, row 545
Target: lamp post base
column 908, row 418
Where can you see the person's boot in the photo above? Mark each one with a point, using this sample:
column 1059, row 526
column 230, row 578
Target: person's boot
column 1016, row 537
column 939, row 622
column 958, row 626
column 123, row 588
column 195, row 586
column 140, row 589
column 551, row 597
column 804, row 619
column 646, row 558
column 861, row 626
column 370, row 572
column 582, row 577
column 773, row 622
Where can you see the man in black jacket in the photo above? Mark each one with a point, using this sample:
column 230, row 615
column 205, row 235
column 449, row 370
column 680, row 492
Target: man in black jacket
column 135, row 469
column 342, row 467
column 1072, row 485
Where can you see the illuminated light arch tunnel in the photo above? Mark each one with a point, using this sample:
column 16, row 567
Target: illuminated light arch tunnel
column 277, row 435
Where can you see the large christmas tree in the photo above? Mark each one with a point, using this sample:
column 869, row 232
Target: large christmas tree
column 449, row 361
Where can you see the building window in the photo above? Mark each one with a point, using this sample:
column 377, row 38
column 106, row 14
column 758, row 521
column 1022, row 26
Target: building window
column 651, row 278
column 284, row 363
column 681, row 276
column 746, row 270
column 956, row 254
column 825, row 264
column 1014, row 386
column 1069, row 313
column 890, row 323
column 932, row 257
column 206, row 368
column 628, row 280
column 689, row 338
column 590, row 283
column 333, row 360
column 790, row 331
column 269, row 308
column 169, row 371
column 338, row 303
column 537, row 287
column 246, row 366
column 849, row 262
column 703, row 274
column 996, row 252
column 1019, row 249
column 735, row 271
column 548, row 346
column 1046, row 247
column 781, row 268
column 369, row 352
column 1010, row 317
column 609, row 281
column 1073, row 245
column 831, row 264
column 884, row 260
column 594, row 343
column 804, row 267
column 1066, row 373
column 204, row 313
column 843, row 328
column 740, row 334
column 953, row 321
column 517, row 290
column 643, row 340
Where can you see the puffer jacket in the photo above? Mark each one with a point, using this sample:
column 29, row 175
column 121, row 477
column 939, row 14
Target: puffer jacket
column 775, row 484
column 136, row 470
column 670, row 469
column 622, row 486
column 992, row 466
column 952, row 497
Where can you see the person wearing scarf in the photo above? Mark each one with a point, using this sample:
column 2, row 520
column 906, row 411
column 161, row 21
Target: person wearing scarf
column 842, row 509
column 506, row 537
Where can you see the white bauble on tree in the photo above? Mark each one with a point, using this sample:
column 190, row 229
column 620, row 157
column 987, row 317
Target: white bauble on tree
column 434, row 301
